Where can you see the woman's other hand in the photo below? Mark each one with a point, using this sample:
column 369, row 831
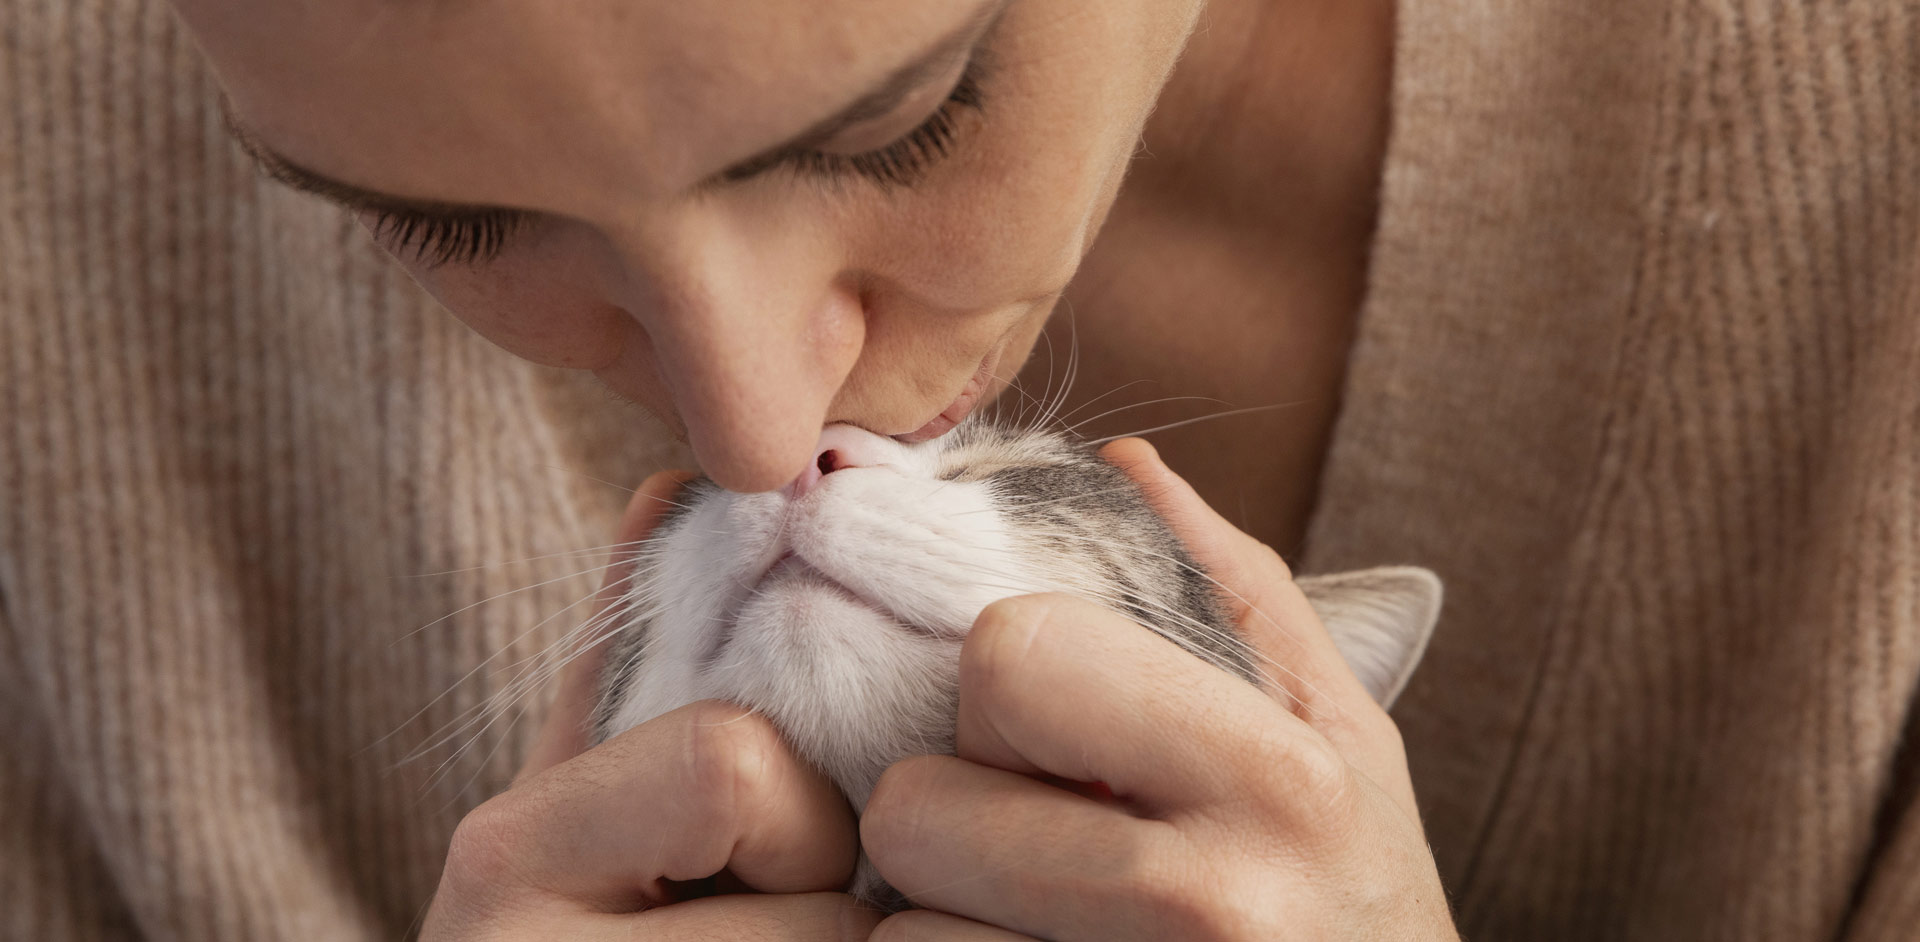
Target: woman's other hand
column 1236, row 812
column 597, row 844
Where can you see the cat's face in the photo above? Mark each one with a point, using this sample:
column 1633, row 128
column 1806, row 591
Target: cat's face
column 837, row 606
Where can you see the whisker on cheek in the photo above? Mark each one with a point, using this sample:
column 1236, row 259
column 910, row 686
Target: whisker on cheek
column 990, row 510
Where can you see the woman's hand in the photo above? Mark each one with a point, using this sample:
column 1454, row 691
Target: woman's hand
column 1236, row 812
column 590, row 845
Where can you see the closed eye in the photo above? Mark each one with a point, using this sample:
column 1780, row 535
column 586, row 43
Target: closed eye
column 467, row 238
column 477, row 237
column 904, row 161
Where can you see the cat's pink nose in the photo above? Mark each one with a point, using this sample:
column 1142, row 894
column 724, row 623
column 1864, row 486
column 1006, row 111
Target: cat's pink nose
column 842, row 447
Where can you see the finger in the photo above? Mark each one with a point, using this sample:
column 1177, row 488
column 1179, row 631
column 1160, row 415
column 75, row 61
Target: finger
column 925, row 925
column 802, row 917
column 996, row 846
column 563, row 734
column 808, row 917
column 704, row 788
column 1291, row 645
column 1060, row 685
column 1302, row 666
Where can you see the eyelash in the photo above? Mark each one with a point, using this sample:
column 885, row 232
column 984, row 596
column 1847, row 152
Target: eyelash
column 472, row 238
column 901, row 163
column 463, row 238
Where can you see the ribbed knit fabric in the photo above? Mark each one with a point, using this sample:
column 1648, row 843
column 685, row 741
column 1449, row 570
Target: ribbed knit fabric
column 245, row 466
column 1640, row 374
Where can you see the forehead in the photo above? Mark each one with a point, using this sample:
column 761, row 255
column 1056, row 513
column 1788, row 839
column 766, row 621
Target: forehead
column 460, row 99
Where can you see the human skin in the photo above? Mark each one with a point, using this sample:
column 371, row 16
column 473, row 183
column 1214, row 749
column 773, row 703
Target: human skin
column 748, row 311
column 747, row 314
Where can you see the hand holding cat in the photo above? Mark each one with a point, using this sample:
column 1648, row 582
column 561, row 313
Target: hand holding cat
column 586, row 845
column 1238, row 813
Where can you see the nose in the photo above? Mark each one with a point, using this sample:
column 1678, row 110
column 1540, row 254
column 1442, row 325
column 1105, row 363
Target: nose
column 842, row 447
column 752, row 326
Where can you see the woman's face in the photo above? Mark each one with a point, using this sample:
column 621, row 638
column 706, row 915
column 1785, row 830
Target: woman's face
column 753, row 216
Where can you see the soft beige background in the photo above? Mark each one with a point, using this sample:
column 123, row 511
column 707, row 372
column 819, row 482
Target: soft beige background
column 243, row 460
column 1637, row 376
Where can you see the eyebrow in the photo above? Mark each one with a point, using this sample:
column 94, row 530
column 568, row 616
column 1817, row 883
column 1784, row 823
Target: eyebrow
column 876, row 102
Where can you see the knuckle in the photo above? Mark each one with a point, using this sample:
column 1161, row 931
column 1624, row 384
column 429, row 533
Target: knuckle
column 1320, row 793
column 733, row 758
column 893, row 809
column 1319, row 769
column 1216, row 886
column 1003, row 635
column 483, row 861
column 1199, row 903
column 1293, row 779
column 1268, row 558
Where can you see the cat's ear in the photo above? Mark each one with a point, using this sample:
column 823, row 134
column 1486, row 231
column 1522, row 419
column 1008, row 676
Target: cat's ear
column 1380, row 619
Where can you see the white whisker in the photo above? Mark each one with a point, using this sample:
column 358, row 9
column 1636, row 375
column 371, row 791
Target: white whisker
column 1141, row 405
column 1197, row 419
column 568, row 554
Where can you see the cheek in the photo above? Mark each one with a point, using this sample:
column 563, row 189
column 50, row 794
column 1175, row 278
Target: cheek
column 1011, row 214
column 1000, row 230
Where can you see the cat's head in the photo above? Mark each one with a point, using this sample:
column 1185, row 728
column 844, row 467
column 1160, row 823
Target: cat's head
column 837, row 605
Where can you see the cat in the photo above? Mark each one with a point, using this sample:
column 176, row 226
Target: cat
column 837, row 605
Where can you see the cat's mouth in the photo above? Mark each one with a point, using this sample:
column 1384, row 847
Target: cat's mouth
column 791, row 564
column 790, row 569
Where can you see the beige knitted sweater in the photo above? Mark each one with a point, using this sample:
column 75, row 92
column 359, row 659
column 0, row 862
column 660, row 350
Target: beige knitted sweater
column 1639, row 374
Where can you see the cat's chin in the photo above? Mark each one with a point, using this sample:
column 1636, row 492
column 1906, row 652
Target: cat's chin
column 795, row 605
column 850, row 686
column 798, row 583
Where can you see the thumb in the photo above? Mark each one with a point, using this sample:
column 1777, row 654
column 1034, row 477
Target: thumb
column 564, row 733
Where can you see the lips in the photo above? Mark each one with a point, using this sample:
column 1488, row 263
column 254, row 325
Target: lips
column 962, row 405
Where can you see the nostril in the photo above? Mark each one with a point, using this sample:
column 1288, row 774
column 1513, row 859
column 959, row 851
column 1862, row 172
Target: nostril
column 842, row 447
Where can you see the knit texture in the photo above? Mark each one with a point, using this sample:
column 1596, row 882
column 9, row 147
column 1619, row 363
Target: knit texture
column 1637, row 374
column 246, row 472
column 1640, row 376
